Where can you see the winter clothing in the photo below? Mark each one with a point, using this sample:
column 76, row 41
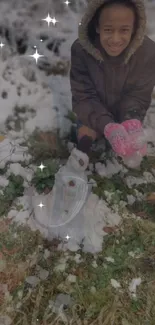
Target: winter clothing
column 85, row 144
column 135, row 130
column 119, row 139
column 111, row 89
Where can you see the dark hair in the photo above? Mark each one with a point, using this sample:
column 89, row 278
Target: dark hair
column 95, row 20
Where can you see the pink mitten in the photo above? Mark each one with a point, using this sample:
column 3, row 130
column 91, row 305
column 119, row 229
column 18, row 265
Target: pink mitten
column 119, row 139
column 136, row 132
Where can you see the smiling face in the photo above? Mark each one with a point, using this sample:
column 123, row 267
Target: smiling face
column 116, row 26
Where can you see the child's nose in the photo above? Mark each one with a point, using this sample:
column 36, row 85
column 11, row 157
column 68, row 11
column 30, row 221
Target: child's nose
column 116, row 38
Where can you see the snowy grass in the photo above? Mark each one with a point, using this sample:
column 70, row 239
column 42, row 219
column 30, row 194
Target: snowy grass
column 46, row 145
column 101, row 293
column 8, row 194
column 43, row 181
column 102, row 290
column 127, row 255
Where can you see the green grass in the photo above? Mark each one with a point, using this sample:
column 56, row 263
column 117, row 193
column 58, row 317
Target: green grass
column 13, row 190
column 49, row 147
column 23, row 252
column 44, row 179
column 107, row 303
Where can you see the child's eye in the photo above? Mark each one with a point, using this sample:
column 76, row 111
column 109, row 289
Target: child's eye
column 125, row 30
column 107, row 30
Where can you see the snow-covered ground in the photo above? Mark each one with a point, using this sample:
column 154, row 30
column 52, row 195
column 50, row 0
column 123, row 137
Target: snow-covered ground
column 45, row 98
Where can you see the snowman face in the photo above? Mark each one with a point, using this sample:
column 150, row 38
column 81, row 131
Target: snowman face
column 79, row 160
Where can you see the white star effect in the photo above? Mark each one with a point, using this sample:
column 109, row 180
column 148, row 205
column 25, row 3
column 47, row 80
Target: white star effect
column 54, row 21
column 49, row 20
column 42, row 167
column 67, row 237
column 40, row 205
column 36, row 56
column 1, row 45
column 67, row 2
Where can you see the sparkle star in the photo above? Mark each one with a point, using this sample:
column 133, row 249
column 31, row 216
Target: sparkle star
column 49, row 20
column 42, row 167
column 40, row 205
column 67, row 237
column 54, row 21
column 1, row 45
column 67, row 2
column 36, row 56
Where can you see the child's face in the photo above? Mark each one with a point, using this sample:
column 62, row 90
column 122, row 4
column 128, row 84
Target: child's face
column 116, row 25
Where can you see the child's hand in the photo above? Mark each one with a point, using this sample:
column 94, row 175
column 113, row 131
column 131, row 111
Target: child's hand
column 119, row 139
column 136, row 132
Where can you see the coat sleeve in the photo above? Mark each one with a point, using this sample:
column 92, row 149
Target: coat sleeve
column 85, row 100
column 136, row 102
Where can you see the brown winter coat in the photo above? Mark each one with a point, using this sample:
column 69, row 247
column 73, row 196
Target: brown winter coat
column 111, row 89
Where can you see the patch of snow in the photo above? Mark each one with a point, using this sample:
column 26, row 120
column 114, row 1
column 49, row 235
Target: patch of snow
column 22, row 217
column 136, row 254
column 24, row 81
column 70, row 146
column 153, row 171
column 12, row 214
column 149, row 177
column 10, row 151
column 63, row 299
column 84, row 226
column 24, row 202
column 131, row 181
column 131, row 199
column 32, row 280
column 93, row 290
column 77, row 258
column 133, row 286
column 94, row 264
column 71, row 246
column 91, row 167
column 122, row 204
column 115, row 284
column 93, row 182
column 110, row 259
column 139, row 196
column 109, row 196
column 47, row 254
column 3, row 181
column 71, row 278
column 131, row 254
column 111, row 168
column 61, row 266
column 43, row 274
column 17, row 169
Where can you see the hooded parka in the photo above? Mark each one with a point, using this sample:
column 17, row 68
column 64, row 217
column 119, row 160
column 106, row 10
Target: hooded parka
column 111, row 89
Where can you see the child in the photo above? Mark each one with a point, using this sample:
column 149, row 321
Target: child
column 112, row 76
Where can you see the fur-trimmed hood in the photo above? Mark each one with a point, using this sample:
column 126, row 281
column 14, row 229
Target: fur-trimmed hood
column 85, row 41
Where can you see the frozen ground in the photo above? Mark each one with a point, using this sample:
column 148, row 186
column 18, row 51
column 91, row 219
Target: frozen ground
column 34, row 95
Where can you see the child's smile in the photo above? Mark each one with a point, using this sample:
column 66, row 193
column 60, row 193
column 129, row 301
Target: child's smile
column 116, row 26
